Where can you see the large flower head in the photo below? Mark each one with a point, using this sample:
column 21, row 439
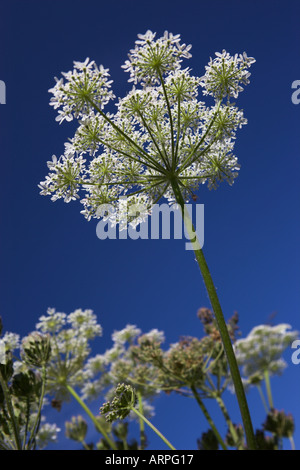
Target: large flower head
column 161, row 142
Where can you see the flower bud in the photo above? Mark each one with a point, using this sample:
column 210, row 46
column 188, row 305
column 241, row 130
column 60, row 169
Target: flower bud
column 36, row 349
column 279, row 423
column 76, row 429
column 208, row 441
column 26, row 384
column 6, row 366
column 124, row 400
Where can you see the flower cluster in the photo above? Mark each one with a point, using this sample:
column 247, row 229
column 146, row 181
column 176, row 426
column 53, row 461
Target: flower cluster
column 84, row 83
column 121, row 405
column 36, row 349
column 51, row 359
column 48, row 433
column 262, row 350
column 225, row 74
column 161, row 141
column 118, row 364
column 76, row 429
column 69, row 338
column 139, row 359
column 151, row 58
column 56, row 359
column 64, row 178
column 22, row 385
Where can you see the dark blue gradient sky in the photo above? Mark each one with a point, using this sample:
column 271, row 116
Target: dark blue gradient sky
column 50, row 255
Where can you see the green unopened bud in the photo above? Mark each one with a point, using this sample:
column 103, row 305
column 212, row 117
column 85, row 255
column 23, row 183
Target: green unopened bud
column 120, row 430
column 265, row 442
column 256, row 379
column 76, row 429
column 235, row 441
column 6, row 366
column 121, row 405
column 26, row 385
column 279, row 423
column 36, row 349
column 208, row 441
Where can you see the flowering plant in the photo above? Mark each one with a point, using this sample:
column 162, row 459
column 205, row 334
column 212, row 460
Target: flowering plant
column 162, row 142
column 55, row 363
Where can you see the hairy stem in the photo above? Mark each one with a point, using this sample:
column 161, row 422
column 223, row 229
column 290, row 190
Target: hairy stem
column 228, row 420
column 208, row 418
column 212, row 294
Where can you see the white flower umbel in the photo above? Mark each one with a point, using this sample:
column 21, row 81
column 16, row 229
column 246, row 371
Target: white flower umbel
column 262, row 350
column 160, row 139
column 162, row 142
column 260, row 356
column 127, row 335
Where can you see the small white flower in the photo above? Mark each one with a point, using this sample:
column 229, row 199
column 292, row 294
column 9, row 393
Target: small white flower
column 155, row 335
column 113, row 353
column 11, row 341
column 127, row 335
column 52, row 322
column 91, row 390
column 47, row 434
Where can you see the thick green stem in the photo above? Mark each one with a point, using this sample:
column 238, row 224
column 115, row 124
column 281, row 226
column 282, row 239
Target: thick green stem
column 163, row 438
column 208, row 418
column 10, row 412
column 90, row 414
column 212, row 294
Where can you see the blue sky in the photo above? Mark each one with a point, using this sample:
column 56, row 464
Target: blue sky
column 51, row 256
